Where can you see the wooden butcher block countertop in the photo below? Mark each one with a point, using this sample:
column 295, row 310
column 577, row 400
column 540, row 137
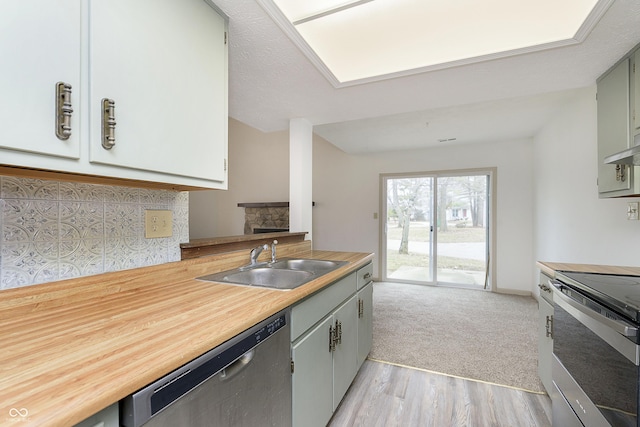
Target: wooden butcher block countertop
column 549, row 268
column 69, row 349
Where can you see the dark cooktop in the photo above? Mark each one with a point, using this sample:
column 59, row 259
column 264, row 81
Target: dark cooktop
column 620, row 293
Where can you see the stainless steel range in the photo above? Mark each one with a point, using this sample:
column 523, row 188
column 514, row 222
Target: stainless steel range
column 596, row 349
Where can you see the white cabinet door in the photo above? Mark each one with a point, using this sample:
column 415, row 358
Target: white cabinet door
column 40, row 46
column 365, row 322
column 163, row 63
column 346, row 352
column 312, row 379
column 613, row 127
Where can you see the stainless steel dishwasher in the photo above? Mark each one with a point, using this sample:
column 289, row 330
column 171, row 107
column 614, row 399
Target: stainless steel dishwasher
column 245, row 381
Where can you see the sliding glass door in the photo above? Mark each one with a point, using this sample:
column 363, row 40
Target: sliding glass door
column 436, row 228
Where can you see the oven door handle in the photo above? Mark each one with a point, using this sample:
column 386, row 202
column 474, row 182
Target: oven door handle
column 625, row 329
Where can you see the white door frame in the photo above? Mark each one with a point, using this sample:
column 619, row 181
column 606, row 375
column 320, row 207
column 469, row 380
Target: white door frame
column 492, row 172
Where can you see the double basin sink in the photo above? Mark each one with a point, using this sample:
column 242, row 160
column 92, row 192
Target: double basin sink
column 284, row 274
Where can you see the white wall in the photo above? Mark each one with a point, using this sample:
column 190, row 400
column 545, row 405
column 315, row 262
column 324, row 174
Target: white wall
column 548, row 206
column 346, row 192
column 258, row 172
column 571, row 223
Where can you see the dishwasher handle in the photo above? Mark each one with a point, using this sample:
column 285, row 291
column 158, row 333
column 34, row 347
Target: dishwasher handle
column 237, row 366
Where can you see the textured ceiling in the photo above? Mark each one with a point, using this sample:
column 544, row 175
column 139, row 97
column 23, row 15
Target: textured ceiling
column 271, row 81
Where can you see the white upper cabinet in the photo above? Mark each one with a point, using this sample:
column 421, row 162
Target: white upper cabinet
column 39, row 47
column 163, row 63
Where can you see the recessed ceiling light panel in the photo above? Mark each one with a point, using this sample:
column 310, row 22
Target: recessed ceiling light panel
column 360, row 41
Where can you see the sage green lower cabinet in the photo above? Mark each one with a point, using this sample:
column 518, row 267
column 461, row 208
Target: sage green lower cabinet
column 345, row 354
column 108, row 417
column 365, row 322
column 312, row 381
column 545, row 343
column 545, row 333
column 329, row 341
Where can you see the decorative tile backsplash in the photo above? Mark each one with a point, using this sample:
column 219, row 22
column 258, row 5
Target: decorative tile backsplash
column 52, row 230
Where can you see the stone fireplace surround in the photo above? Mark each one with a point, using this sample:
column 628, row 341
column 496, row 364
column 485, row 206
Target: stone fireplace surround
column 273, row 215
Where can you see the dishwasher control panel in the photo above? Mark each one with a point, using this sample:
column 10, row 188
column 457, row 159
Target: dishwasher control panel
column 270, row 329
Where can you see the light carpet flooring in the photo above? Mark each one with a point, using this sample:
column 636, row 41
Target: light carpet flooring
column 467, row 333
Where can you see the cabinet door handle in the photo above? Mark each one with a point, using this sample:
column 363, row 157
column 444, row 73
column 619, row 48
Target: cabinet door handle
column 367, row 276
column 549, row 327
column 360, row 308
column 108, row 123
column 63, row 110
column 332, row 341
column 620, row 176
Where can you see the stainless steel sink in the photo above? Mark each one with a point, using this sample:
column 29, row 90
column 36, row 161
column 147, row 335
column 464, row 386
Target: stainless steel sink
column 269, row 277
column 313, row 265
column 286, row 274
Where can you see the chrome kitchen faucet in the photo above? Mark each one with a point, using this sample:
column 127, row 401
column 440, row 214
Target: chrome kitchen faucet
column 255, row 253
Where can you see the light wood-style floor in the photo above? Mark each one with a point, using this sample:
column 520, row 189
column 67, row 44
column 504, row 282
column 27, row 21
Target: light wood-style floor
column 388, row 395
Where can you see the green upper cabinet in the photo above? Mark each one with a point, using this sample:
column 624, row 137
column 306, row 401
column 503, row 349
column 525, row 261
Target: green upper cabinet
column 617, row 124
column 635, row 87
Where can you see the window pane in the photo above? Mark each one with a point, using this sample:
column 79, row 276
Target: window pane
column 462, row 229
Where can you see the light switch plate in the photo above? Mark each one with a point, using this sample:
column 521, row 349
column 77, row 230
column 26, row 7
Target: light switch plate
column 158, row 223
column 632, row 211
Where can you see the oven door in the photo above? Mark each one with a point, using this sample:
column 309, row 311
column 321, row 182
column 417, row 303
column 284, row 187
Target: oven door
column 595, row 366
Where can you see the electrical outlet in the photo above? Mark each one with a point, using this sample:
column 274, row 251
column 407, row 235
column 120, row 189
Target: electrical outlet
column 632, row 211
column 158, row 223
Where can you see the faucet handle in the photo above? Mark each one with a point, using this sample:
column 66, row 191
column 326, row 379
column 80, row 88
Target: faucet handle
column 273, row 251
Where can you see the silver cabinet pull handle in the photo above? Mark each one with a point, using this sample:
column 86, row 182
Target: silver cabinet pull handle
column 549, row 327
column 63, row 110
column 332, row 339
column 367, row 276
column 108, row 123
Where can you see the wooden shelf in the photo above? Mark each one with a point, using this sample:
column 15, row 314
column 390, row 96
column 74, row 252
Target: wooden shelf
column 267, row 205
column 217, row 245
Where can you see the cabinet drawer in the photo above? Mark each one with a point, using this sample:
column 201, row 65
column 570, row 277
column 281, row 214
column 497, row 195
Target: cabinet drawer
column 310, row 311
column 545, row 288
column 365, row 275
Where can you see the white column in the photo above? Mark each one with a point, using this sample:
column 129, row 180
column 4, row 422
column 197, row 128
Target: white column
column 300, row 175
